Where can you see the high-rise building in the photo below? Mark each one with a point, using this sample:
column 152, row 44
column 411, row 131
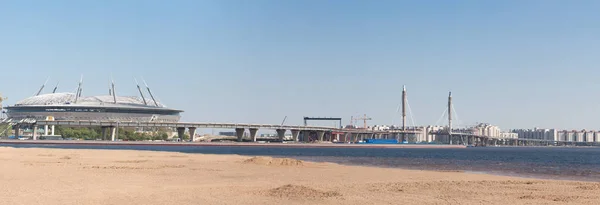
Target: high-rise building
column 539, row 134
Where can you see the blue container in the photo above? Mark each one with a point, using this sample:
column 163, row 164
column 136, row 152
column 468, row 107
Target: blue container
column 381, row 141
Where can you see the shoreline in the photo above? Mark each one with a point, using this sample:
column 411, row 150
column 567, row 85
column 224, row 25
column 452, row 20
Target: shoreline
column 349, row 160
column 238, row 144
column 90, row 176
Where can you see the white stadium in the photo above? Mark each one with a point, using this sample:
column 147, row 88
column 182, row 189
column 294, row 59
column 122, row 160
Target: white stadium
column 74, row 106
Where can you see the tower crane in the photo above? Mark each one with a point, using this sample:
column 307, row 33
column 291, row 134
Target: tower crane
column 364, row 118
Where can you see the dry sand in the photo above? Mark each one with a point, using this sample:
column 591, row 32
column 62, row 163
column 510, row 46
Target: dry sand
column 61, row 176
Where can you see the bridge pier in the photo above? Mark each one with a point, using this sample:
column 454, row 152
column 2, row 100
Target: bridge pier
column 180, row 133
column 192, row 132
column 320, row 135
column 104, row 132
column 17, row 130
column 34, row 135
column 335, row 137
column 113, row 132
column 253, row 134
column 108, row 131
column 295, row 134
column 239, row 133
column 280, row 134
column 347, row 137
column 306, row 136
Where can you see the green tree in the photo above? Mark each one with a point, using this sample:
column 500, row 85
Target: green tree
column 5, row 130
column 163, row 135
column 77, row 133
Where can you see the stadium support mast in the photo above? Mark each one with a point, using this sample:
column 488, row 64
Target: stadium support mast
column 141, row 93
column 42, row 88
column 114, row 92
column 150, row 92
column 56, row 87
column 79, row 89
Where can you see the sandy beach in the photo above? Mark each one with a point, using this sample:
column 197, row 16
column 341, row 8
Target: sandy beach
column 64, row 176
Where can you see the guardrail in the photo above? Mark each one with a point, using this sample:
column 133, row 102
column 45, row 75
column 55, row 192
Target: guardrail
column 181, row 124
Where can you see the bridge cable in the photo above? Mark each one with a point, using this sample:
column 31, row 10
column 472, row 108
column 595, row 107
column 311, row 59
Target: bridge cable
column 396, row 113
column 441, row 117
column 458, row 124
column 414, row 123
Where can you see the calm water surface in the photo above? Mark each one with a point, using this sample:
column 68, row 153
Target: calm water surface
column 541, row 162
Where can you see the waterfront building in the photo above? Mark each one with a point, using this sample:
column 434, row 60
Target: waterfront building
column 427, row 136
column 571, row 136
column 485, row 129
column 589, row 136
column 509, row 135
column 539, row 134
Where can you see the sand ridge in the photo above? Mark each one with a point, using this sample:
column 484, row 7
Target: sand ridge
column 301, row 192
column 274, row 161
column 63, row 176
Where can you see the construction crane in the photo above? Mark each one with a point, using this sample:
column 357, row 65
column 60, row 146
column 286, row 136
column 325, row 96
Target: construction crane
column 363, row 118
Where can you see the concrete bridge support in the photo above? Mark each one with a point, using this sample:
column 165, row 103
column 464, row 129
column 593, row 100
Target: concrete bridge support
column 320, row 135
column 113, row 133
column 239, row 133
column 106, row 131
column 335, row 137
column 306, row 135
column 35, row 127
column 253, row 134
column 295, row 134
column 180, row 133
column 345, row 137
column 280, row 134
column 192, row 132
column 17, row 129
column 48, row 130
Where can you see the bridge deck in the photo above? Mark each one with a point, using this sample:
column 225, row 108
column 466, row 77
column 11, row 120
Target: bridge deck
column 212, row 125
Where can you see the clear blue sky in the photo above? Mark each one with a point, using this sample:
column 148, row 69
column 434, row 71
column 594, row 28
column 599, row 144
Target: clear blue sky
column 516, row 64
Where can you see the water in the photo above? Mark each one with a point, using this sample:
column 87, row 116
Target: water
column 541, row 162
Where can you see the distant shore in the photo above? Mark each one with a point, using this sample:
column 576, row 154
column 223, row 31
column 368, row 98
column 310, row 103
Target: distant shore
column 81, row 176
column 249, row 144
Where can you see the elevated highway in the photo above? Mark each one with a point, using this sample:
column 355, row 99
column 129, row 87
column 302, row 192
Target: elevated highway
column 320, row 133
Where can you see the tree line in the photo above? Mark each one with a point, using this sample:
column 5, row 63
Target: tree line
column 126, row 134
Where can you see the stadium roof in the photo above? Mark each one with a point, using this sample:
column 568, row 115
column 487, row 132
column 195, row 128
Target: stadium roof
column 69, row 99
